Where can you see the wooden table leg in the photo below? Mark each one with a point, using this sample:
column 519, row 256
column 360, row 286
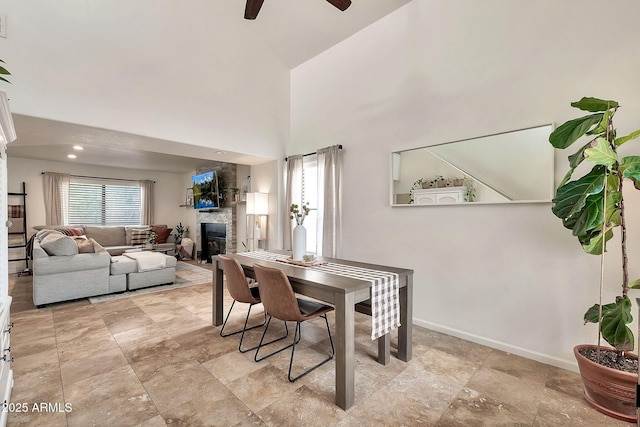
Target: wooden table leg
column 384, row 349
column 218, row 294
column 345, row 349
column 405, row 332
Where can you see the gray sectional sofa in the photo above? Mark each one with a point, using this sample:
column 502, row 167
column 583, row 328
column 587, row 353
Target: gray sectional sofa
column 115, row 239
column 68, row 267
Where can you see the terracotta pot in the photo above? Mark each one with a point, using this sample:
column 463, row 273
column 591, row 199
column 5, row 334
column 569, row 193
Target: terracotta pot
column 610, row 391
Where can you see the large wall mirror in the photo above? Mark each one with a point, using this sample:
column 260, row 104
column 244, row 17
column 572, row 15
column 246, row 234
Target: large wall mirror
column 510, row 167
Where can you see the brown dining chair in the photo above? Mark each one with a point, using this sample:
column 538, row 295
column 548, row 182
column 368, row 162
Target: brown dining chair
column 240, row 291
column 280, row 302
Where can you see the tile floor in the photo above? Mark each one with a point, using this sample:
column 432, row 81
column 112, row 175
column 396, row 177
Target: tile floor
column 154, row 360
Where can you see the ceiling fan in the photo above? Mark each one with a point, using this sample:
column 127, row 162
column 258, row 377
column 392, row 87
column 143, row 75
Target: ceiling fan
column 252, row 8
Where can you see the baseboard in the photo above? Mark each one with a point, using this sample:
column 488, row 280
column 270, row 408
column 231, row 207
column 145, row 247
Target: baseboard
column 519, row 351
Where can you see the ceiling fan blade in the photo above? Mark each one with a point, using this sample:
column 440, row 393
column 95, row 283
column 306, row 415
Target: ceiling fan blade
column 340, row 4
column 252, row 8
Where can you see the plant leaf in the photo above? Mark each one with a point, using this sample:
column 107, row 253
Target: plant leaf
column 601, row 153
column 572, row 196
column 593, row 243
column 589, row 218
column 591, row 316
column 569, row 132
column 615, row 318
column 577, row 158
column 601, row 129
column 5, row 80
column 635, row 284
column 3, row 70
column 633, row 135
column 630, row 168
column 594, row 104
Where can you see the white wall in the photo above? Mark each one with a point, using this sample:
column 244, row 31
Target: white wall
column 169, row 190
column 509, row 276
column 189, row 72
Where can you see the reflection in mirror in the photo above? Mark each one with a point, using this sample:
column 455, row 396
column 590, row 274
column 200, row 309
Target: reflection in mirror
column 508, row 167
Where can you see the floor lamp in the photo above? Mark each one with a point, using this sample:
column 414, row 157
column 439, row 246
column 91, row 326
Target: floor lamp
column 257, row 211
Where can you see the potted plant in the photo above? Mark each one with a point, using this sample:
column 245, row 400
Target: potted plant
column 179, row 232
column 592, row 206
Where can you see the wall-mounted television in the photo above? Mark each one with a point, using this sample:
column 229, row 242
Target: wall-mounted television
column 205, row 191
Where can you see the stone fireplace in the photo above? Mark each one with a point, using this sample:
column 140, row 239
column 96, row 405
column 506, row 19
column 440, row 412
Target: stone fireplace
column 213, row 240
column 215, row 230
column 225, row 216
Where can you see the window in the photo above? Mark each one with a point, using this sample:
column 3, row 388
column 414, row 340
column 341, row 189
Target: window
column 104, row 202
column 310, row 195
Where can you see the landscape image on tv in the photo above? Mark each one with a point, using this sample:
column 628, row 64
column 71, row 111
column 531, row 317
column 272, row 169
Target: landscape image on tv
column 205, row 190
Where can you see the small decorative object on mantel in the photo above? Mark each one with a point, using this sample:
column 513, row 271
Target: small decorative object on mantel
column 188, row 199
column 299, row 232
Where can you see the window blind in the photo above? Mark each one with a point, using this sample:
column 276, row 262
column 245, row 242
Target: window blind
column 103, row 202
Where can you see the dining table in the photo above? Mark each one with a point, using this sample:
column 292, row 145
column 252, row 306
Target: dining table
column 345, row 294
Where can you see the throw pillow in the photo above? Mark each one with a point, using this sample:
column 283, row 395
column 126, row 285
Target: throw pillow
column 162, row 233
column 128, row 231
column 84, row 245
column 88, row 245
column 97, row 247
column 59, row 245
column 139, row 237
column 40, row 235
column 73, row 231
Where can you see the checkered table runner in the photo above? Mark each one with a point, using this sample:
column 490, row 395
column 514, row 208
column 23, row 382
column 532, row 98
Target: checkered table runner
column 385, row 293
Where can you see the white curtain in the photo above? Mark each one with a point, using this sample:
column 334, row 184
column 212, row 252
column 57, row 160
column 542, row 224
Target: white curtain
column 146, row 201
column 293, row 194
column 329, row 232
column 56, row 198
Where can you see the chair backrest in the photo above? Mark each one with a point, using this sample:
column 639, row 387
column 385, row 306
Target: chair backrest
column 236, row 280
column 277, row 294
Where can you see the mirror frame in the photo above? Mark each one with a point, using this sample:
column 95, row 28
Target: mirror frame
column 395, row 161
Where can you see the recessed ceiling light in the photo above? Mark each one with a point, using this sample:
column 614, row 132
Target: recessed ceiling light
column 221, row 152
column 71, row 156
column 78, row 148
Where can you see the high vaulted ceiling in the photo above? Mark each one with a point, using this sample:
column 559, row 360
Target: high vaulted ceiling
column 293, row 31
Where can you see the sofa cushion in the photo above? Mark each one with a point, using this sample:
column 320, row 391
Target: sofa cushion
column 162, row 233
column 70, row 264
column 88, row 245
column 59, row 245
column 123, row 265
column 106, row 235
column 140, row 236
column 41, row 234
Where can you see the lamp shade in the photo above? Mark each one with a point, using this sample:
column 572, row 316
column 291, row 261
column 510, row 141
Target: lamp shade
column 257, row 203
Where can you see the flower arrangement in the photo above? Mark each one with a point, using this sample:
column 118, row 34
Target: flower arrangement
column 152, row 238
column 298, row 213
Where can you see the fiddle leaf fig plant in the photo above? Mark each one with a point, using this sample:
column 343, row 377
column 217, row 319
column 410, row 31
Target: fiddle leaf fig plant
column 592, row 206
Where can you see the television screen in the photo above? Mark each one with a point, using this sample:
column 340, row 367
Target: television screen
column 205, row 190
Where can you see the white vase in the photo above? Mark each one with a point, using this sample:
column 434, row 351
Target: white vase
column 299, row 242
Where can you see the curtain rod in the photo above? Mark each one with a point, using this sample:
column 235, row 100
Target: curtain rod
column 101, row 177
column 311, row 154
